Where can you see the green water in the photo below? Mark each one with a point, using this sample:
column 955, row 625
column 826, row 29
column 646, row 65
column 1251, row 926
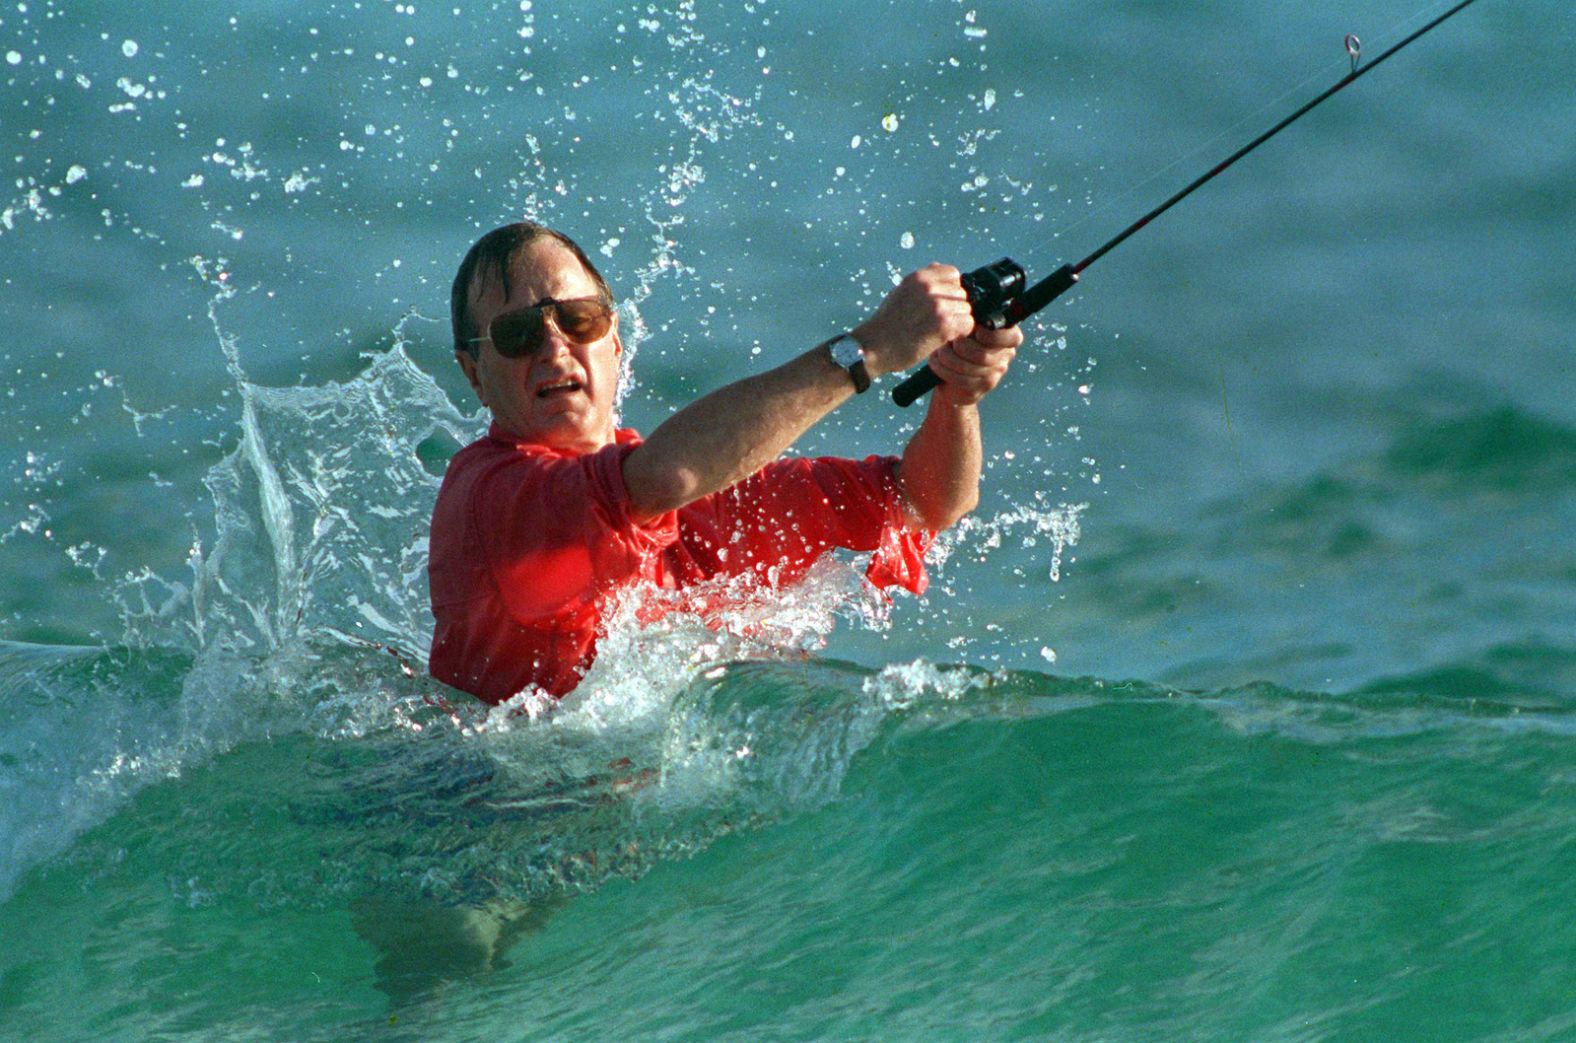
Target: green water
column 1025, row 858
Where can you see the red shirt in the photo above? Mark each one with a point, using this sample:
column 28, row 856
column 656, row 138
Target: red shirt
column 528, row 542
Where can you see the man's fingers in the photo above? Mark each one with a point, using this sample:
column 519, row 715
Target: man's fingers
column 927, row 310
column 970, row 370
column 958, row 364
column 971, row 350
column 984, row 346
column 1010, row 337
column 943, row 273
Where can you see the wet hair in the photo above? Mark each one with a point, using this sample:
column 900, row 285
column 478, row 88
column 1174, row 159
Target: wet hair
column 491, row 258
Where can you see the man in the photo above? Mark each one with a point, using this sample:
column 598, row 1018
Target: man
column 556, row 510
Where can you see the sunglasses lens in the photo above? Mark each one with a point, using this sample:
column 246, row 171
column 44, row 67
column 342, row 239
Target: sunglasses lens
column 517, row 333
column 583, row 321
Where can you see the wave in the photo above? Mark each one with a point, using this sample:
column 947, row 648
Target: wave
column 457, row 805
column 1039, row 821
column 1463, row 462
column 1504, row 449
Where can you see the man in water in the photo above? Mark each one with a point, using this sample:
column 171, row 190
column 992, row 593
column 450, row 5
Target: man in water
column 556, row 510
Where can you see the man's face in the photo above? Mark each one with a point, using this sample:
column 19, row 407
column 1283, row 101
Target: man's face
column 561, row 395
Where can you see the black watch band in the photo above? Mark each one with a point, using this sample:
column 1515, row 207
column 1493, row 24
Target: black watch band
column 847, row 353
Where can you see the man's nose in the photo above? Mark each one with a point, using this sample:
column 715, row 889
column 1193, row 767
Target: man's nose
column 553, row 339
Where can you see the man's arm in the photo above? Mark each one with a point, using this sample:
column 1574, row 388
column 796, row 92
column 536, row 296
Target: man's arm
column 940, row 472
column 733, row 432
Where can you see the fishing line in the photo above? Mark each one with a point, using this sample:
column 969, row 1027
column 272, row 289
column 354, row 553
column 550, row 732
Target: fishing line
column 997, row 292
column 1252, row 118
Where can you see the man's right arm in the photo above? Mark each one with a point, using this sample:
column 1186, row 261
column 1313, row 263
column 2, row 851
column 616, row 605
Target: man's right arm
column 729, row 434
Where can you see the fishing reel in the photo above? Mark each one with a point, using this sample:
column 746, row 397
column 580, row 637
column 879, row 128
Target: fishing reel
column 992, row 289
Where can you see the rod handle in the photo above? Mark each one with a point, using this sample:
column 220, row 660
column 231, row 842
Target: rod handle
column 916, row 387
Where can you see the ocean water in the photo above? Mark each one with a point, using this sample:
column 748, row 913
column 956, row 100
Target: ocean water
column 1242, row 709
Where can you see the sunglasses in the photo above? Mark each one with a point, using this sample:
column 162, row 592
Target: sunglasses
column 517, row 334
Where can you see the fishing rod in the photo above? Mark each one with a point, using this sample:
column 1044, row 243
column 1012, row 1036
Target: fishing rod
column 996, row 292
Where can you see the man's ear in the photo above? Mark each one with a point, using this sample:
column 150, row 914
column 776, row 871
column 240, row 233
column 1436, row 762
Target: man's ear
column 467, row 363
column 618, row 342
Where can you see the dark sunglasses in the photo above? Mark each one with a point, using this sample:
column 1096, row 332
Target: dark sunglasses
column 517, row 334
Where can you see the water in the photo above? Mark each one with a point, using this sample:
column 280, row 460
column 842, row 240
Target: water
column 1240, row 710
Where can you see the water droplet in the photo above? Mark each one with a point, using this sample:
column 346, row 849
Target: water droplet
column 129, row 48
column 889, row 122
column 906, row 241
column 13, row 58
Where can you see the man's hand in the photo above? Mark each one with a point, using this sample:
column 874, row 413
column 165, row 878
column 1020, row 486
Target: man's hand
column 924, row 312
column 972, row 367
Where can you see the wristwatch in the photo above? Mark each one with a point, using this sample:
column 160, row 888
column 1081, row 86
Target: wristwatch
column 846, row 352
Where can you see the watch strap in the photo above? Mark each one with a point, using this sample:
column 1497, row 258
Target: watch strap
column 847, row 353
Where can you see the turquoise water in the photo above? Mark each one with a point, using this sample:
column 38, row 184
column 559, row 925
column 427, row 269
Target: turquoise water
column 1240, row 710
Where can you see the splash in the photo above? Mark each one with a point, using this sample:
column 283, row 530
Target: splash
column 1058, row 526
column 306, row 614
column 299, row 615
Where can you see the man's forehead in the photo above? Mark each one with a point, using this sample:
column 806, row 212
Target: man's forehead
column 542, row 268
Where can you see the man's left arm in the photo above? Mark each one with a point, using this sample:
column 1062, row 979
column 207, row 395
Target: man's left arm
column 939, row 476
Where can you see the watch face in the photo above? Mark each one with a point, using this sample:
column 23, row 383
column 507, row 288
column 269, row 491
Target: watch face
column 845, row 351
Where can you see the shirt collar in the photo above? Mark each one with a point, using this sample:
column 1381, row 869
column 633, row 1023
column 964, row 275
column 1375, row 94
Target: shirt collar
column 497, row 433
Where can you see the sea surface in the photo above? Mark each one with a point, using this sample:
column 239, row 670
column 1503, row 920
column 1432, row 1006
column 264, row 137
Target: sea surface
column 1244, row 707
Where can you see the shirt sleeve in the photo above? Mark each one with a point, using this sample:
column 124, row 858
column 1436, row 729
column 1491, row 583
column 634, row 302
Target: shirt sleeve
column 557, row 531
column 794, row 510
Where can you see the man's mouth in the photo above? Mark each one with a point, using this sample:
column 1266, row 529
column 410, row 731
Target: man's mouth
column 558, row 387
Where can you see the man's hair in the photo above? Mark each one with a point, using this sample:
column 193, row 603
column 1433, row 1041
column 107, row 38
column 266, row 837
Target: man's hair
column 490, row 258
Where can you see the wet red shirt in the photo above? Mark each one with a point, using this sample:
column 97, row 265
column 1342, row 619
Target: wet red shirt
column 528, row 542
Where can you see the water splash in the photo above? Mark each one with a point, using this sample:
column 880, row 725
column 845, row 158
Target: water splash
column 306, row 568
